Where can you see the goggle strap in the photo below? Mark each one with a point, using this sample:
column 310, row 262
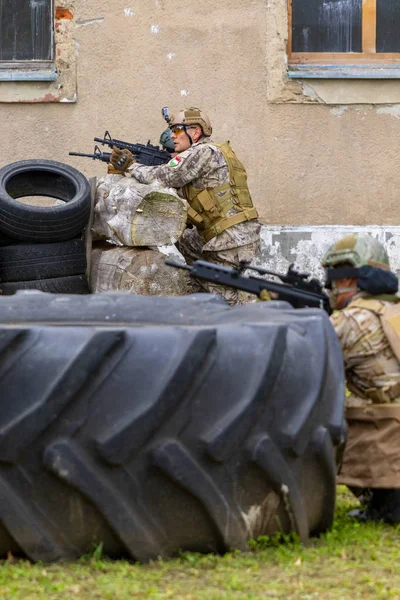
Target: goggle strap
column 341, row 273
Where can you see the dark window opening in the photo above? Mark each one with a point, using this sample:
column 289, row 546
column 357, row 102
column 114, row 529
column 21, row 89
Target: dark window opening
column 388, row 26
column 326, row 25
column 26, row 31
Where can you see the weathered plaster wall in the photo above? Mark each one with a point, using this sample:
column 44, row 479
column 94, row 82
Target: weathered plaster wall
column 309, row 162
column 305, row 246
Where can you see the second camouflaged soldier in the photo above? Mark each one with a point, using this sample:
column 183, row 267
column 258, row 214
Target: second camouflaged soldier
column 224, row 222
column 363, row 290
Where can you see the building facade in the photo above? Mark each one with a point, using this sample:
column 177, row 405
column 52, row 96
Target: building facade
column 311, row 108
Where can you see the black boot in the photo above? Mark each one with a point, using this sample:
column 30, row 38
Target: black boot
column 357, row 513
column 364, row 496
column 384, row 505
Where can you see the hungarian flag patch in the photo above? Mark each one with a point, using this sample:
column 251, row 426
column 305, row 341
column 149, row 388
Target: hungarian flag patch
column 175, row 162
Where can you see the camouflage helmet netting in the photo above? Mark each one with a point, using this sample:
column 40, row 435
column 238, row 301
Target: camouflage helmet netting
column 192, row 116
column 358, row 250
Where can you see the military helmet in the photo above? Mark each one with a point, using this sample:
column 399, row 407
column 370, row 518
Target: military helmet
column 357, row 249
column 166, row 140
column 192, row 116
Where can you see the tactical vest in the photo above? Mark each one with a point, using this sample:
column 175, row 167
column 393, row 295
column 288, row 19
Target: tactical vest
column 208, row 208
column 390, row 320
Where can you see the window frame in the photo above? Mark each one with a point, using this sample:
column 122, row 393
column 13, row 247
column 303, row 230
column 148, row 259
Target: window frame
column 368, row 57
column 57, row 84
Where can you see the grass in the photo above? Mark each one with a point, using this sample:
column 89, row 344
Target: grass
column 352, row 561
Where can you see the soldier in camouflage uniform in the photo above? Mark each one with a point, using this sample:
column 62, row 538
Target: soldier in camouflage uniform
column 356, row 266
column 224, row 226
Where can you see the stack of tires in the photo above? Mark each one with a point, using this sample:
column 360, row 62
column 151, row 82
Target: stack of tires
column 43, row 247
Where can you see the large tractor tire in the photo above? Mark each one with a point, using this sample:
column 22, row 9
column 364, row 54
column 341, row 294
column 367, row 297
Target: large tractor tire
column 155, row 425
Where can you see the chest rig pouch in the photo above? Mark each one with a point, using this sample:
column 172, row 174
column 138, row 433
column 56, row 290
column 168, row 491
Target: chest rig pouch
column 208, row 209
column 389, row 315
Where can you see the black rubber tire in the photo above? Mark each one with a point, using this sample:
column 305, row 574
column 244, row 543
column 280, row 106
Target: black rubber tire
column 26, row 262
column 43, row 178
column 7, row 241
column 74, row 284
column 155, row 438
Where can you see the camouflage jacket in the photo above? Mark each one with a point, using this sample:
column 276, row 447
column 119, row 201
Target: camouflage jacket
column 372, row 370
column 203, row 166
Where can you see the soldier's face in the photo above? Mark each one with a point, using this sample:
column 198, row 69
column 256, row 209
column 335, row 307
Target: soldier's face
column 342, row 291
column 184, row 138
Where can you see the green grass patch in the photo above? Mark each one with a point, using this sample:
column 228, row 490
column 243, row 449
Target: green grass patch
column 353, row 561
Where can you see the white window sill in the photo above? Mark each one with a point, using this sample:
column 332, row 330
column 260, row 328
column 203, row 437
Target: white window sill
column 28, row 74
column 344, row 71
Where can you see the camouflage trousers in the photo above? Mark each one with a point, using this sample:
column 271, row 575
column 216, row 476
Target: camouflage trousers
column 191, row 245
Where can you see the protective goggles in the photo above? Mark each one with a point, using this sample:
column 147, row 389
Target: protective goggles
column 178, row 129
column 340, row 273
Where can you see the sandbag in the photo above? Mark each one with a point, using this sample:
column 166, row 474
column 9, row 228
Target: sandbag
column 140, row 271
column 372, row 453
column 128, row 213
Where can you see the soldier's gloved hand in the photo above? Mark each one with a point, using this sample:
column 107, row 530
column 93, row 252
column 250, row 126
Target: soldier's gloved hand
column 121, row 159
column 112, row 170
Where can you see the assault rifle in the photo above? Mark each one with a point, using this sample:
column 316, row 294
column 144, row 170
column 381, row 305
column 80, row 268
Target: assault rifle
column 296, row 288
column 145, row 154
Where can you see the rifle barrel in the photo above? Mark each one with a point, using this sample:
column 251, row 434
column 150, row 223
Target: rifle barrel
column 118, row 143
column 179, row 265
column 103, row 141
column 81, row 154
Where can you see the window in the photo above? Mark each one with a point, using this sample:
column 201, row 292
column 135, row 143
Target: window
column 26, row 38
column 37, row 51
column 334, row 33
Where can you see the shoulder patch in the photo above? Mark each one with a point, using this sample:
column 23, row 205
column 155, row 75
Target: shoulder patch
column 175, row 162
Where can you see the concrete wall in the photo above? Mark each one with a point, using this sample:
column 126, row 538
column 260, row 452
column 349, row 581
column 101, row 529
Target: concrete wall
column 305, row 246
column 317, row 154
